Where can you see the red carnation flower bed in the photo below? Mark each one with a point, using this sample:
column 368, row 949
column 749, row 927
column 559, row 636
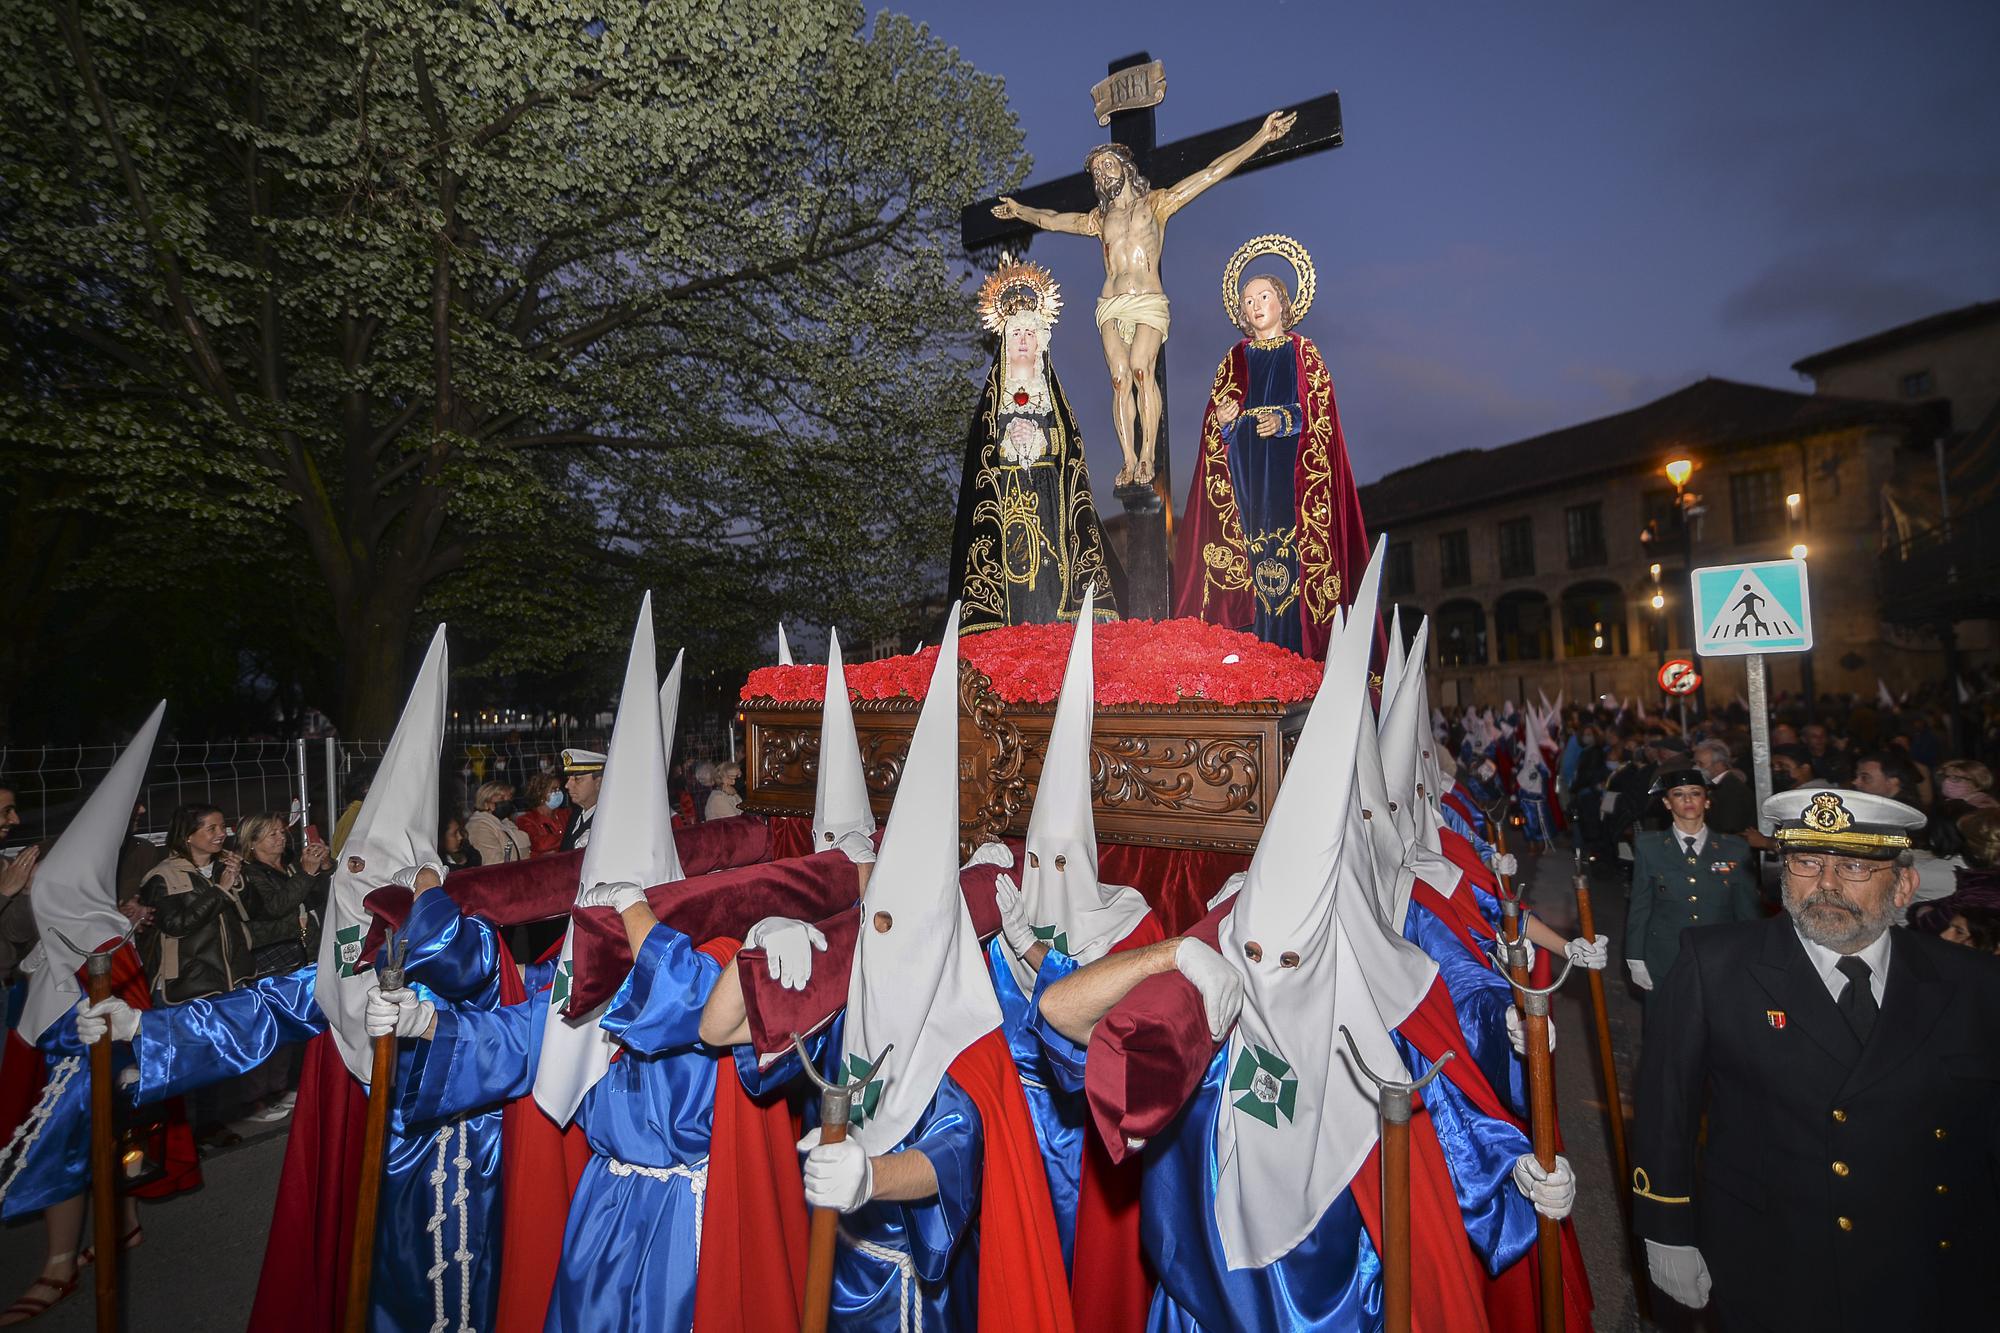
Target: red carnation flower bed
column 1137, row 662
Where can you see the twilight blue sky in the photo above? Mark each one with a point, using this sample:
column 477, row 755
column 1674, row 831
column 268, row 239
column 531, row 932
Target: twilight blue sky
column 1544, row 212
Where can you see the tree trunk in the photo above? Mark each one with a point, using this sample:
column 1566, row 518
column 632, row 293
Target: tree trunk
column 375, row 652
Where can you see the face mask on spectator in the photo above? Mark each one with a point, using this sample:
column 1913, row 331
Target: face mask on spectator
column 555, row 800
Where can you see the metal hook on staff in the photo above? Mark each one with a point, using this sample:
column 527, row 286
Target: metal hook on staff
column 836, row 1108
column 1396, row 1100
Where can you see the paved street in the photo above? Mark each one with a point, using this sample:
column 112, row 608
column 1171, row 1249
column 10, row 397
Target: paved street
column 197, row 1270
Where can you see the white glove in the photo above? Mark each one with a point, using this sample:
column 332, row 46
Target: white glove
column 1593, row 953
column 788, row 949
column 1014, row 923
column 991, row 854
column 1642, row 977
column 1517, row 1032
column 1221, row 985
column 407, row 876
column 838, row 1175
column 1680, row 1272
column 110, row 1014
column 398, row 1011
column 616, row 895
column 860, row 848
column 1553, row 1191
column 1505, row 864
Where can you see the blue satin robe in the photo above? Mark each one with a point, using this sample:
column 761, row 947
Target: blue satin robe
column 1331, row 1280
column 454, row 959
column 1061, row 1118
column 1482, row 998
column 937, row 1233
column 1262, row 471
column 57, row 1163
column 631, row 1246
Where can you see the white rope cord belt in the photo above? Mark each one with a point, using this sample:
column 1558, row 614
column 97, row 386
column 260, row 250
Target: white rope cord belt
column 912, row 1317
column 30, row 1129
column 696, row 1176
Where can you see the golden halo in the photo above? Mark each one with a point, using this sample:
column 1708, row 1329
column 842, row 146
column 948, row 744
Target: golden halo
column 1285, row 248
column 1019, row 287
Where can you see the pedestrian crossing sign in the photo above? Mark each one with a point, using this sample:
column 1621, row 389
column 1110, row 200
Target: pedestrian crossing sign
column 1760, row 607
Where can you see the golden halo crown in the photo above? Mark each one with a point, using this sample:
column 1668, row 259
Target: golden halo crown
column 1285, row 248
column 1019, row 287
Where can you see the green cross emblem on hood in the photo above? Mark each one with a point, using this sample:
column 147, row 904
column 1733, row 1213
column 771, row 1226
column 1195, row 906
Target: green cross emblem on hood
column 1055, row 937
column 559, row 986
column 1269, row 1088
column 871, row 1092
column 347, row 948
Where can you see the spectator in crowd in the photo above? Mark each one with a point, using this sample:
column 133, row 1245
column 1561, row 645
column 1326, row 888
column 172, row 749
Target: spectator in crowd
column 491, row 828
column 1888, row 773
column 542, row 814
column 1976, row 927
column 701, row 786
column 137, row 857
column 17, row 874
column 201, row 939
column 358, row 783
column 1731, row 806
column 1828, row 760
column 285, row 899
column 1791, row 766
column 1966, row 780
column 724, row 800
column 456, row 849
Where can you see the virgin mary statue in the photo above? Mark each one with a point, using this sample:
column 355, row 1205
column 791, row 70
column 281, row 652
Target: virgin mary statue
column 1028, row 542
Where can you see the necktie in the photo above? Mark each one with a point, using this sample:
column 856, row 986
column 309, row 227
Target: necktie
column 1690, row 845
column 1857, row 1002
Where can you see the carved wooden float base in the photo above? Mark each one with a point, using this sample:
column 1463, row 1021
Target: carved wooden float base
column 1193, row 775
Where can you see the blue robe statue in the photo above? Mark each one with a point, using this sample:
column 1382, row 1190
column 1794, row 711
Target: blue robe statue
column 1331, row 1280
column 1261, row 468
column 633, row 1241
column 896, row 1253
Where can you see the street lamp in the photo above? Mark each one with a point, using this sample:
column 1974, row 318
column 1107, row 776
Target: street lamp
column 1678, row 473
column 1799, row 551
column 1686, row 507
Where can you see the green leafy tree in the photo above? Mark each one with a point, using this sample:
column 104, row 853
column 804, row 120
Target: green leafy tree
column 498, row 312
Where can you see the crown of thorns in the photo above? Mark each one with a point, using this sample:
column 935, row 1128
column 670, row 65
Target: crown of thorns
column 1117, row 150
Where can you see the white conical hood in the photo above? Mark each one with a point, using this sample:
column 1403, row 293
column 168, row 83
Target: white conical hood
column 670, row 712
column 1065, row 902
column 1297, row 1121
column 1392, row 665
column 396, row 829
column 631, row 842
column 784, row 646
column 921, row 983
column 76, row 885
column 840, row 792
column 1406, row 743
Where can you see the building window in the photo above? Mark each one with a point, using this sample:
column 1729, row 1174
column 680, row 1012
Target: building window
column 1918, row 383
column 1459, row 631
column 1399, row 575
column 1593, row 620
column 1521, row 627
column 1585, row 525
column 1756, row 505
column 1454, row 559
column 1517, row 548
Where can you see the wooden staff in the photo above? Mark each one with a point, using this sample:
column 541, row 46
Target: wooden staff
column 1615, row 1105
column 1542, row 1129
column 374, row 1142
column 1395, row 1100
column 836, row 1105
column 1512, row 935
column 103, row 1152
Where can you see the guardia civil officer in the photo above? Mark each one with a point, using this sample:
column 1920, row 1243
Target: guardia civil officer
column 1848, row 1073
column 1685, row 875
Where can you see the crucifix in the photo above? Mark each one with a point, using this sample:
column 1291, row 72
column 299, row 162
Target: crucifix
column 1132, row 313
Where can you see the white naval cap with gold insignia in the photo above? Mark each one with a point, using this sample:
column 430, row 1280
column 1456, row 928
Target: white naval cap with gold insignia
column 582, row 761
column 1853, row 823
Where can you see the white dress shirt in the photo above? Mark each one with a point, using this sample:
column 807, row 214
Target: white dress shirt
column 1680, row 839
column 1827, row 963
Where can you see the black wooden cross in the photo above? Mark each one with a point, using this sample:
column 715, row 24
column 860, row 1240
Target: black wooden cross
column 1148, row 508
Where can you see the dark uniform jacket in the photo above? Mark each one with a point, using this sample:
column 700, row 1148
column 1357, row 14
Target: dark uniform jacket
column 1841, row 1186
column 1672, row 891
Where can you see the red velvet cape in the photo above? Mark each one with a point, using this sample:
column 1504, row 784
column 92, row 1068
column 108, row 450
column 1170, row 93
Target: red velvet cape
column 1212, row 574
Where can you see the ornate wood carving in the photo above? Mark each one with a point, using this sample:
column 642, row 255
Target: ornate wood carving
column 1193, row 774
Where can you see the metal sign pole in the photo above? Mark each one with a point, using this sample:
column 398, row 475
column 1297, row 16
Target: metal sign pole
column 1760, row 727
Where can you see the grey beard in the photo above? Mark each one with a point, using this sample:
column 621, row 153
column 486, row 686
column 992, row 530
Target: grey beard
column 1850, row 931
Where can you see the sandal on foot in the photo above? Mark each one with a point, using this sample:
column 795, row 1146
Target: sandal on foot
column 131, row 1240
column 31, row 1306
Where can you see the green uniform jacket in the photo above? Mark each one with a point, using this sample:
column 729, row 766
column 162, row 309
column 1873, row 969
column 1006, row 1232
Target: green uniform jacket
column 1671, row 891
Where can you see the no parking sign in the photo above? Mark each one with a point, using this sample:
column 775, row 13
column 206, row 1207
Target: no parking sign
column 1679, row 677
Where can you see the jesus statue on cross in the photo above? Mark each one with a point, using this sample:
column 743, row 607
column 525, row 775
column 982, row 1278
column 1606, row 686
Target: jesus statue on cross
column 1131, row 220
